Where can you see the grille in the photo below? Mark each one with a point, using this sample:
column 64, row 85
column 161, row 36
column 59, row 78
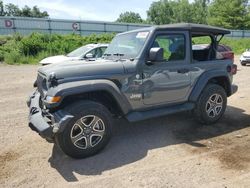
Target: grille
column 41, row 85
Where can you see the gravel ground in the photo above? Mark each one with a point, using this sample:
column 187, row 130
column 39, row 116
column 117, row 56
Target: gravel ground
column 171, row 151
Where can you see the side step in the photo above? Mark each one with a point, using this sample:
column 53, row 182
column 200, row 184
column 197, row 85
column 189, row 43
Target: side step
column 142, row 115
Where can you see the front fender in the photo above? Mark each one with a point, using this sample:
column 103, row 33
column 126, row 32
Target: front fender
column 81, row 87
column 204, row 79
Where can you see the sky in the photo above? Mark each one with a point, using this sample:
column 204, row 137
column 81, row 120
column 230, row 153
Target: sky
column 101, row 10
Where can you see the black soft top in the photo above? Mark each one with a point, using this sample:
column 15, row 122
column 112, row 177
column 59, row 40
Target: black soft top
column 195, row 28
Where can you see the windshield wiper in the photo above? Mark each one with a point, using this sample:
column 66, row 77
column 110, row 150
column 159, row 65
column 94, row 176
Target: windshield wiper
column 115, row 54
column 118, row 54
column 107, row 54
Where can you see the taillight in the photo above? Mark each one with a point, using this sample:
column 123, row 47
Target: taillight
column 232, row 69
column 228, row 55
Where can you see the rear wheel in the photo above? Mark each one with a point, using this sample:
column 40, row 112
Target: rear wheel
column 211, row 104
column 88, row 132
column 243, row 64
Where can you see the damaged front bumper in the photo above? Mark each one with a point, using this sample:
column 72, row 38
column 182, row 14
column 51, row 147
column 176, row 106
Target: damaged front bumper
column 44, row 123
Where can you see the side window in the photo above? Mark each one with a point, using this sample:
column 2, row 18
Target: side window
column 93, row 52
column 98, row 53
column 201, row 47
column 102, row 49
column 173, row 46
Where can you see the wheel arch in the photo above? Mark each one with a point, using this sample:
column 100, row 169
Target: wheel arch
column 100, row 96
column 217, row 77
column 105, row 92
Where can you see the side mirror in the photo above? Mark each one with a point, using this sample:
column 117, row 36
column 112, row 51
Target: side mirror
column 156, row 55
column 89, row 55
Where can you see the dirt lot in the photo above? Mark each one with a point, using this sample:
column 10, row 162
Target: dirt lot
column 172, row 151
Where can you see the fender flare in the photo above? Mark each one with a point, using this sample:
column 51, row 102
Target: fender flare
column 203, row 80
column 81, row 87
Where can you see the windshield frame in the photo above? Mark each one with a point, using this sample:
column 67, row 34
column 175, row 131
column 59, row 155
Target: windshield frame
column 123, row 56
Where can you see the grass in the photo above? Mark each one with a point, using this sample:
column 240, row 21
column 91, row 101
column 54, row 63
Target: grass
column 18, row 49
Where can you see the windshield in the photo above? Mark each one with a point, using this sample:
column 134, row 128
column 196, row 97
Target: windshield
column 79, row 51
column 127, row 45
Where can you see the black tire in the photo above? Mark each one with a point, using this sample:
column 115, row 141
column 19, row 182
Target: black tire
column 84, row 111
column 204, row 111
column 243, row 64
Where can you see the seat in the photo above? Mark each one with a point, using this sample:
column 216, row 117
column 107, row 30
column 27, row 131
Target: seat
column 177, row 51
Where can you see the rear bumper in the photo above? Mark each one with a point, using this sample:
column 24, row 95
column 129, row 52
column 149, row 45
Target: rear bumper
column 44, row 123
column 244, row 60
column 234, row 89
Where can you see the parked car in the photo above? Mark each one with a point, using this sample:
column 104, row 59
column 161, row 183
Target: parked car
column 143, row 74
column 226, row 51
column 89, row 51
column 223, row 51
column 245, row 57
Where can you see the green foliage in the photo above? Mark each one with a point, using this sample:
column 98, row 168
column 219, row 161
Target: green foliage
column 13, row 57
column 129, row 17
column 13, row 10
column 18, row 49
column 161, row 12
column 174, row 11
column 232, row 14
column 31, row 49
column 238, row 45
column 200, row 11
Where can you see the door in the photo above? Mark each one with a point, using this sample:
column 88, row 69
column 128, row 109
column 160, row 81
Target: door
column 168, row 81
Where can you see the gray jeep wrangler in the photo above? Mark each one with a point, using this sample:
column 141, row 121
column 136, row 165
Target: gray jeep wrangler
column 144, row 74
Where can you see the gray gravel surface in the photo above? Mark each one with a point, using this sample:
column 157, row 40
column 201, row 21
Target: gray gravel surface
column 171, row 151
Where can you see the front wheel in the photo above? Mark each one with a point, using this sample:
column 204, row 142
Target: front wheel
column 211, row 104
column 88, row 132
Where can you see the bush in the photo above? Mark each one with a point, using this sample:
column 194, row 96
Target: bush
column 238, row 45
column 18, row 49
column 13, row 57
column 32, row 45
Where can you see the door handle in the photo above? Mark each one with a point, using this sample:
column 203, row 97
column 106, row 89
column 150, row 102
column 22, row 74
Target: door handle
column 182, row 71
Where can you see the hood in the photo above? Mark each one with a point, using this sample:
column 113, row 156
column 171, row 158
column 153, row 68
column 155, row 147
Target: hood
column 246, row 54
column 82, row 69
column 57, row 59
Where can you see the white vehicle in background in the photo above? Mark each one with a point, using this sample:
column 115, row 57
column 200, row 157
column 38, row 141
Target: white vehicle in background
column 89, row 51
column 245, row 57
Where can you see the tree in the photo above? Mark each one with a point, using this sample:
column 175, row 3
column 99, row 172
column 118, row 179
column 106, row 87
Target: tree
column 130, row 17
column 229, row 14
column 200, row 11
column 167, row 11
column 35, row 12
column 26, row 12
column 1, row 9
column 160, row 12
column 182, row 11
column 13, row 10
